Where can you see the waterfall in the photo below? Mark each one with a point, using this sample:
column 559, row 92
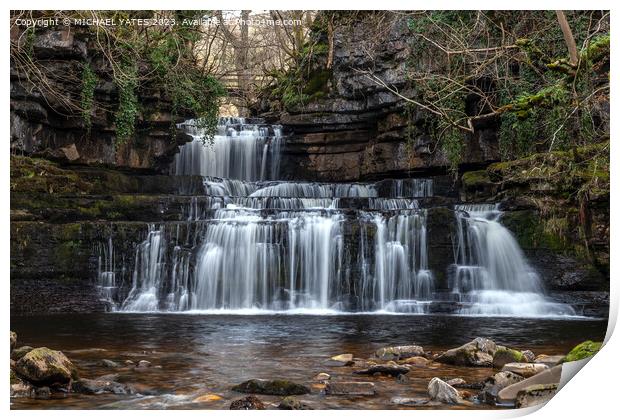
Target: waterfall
column 491, row 273
column 239, row 150
column 253, row 243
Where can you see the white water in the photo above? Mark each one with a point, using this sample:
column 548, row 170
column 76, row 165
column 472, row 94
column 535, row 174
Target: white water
column 492, row 276
column 255, row 246
column 239, row 150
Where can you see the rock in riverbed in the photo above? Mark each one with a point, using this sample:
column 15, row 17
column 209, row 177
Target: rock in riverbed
column 42, row 366
column 550, row 361
column 275, row 387
column 109, row 363
column 399, row 352
column 478, row 352
column 504, row 355
column 389, row 370
column 98, row 386
column 20, row 352
column 248, row 403
column 292, row 403
column 341, row 360
column 322, row 377
column 494, row 384
column 509, row 394
column 13, row 340
column 524, row 369
column 351, row 388
column 583, row 351
column 535, row 395
column 440, row 391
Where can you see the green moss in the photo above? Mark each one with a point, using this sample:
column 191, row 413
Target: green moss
column 583, row 350
column 475, row 178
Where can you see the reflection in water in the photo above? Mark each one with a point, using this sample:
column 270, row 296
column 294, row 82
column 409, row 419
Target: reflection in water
column 201, row 354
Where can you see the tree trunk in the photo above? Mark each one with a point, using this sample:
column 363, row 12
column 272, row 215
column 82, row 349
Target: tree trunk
column 569, row 39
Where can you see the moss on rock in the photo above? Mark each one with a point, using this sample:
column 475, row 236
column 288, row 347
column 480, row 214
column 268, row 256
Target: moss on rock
column 583, row 351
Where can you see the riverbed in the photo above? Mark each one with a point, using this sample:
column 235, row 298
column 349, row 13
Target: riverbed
column 196, row 354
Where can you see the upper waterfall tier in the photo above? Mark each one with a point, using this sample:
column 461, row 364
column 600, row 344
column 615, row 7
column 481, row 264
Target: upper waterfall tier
column 242, row 150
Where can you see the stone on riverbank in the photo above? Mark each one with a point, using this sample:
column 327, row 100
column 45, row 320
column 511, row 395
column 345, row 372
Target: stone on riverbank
column 98, row 386
column 440, row 391
column 535, row 395
column 207, row 398
column 524, row 369
column 341, row 360
column 43, row 366
column 504, row 355
column 478, row 352
column 583, row 351
column 399, row 352
column 415, row 360
column 528, row 355
column 351, row 388
column 389, row 370
column 274, row 387
column 292, row 403
column 508, row 395
column 494, row 384
column 248, row 403
column 550, row 361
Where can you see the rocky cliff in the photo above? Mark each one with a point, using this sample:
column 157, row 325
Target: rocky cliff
column 46, row 119
column 349, row 127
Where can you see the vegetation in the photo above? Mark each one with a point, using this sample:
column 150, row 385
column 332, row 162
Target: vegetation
column 475, row 68
column 583, row 350
column 158, row 61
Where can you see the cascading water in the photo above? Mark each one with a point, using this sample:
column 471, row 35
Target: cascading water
column 252, row 243
column 491, row 273
column 241, row 149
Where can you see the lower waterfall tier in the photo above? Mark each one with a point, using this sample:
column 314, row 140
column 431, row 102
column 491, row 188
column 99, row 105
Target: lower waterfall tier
column 306, row 257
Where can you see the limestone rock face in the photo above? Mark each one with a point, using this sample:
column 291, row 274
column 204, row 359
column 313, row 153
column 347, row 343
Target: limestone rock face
column 38, row 118
column 478, row 352
column 43, row 366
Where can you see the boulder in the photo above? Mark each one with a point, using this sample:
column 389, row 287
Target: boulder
column 144, row 364
column 41, row 393
column 13, row 340
column 525, row 369
column 494, row 384
column 350, row 388
column 274, row 387
column 535, row 395
column 416, row 361
column 99, row 386
column 248, row 403
column 341, row 360
column 440, row 391
column 583, row 351
column 528, row 355
column 292, row 403
column 399, row 352
column 389, row 370
column 109, row 363
column 20, row 352
column 550, row 361
column 456, row 381
column 43, row 366
column 508, row 395
column 504, row 355
column 478, row 352
column 322, row 377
